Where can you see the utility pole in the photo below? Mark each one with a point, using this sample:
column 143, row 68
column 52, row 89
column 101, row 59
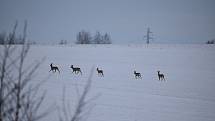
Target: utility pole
column 148, row 36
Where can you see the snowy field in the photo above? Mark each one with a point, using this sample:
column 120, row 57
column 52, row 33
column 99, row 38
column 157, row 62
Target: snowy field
column 188, row 94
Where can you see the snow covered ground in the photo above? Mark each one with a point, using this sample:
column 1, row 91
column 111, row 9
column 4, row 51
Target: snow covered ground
column 188, row 94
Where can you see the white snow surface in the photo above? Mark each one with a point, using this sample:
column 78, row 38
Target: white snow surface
column 188, row 94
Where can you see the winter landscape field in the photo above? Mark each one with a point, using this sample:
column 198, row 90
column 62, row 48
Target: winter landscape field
column 107, row 60
column 188, row 94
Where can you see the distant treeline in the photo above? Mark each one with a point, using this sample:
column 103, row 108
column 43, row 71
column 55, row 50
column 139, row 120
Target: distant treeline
column 82, row 37
column 85, row 37
column 211, row 41
column 12, row 38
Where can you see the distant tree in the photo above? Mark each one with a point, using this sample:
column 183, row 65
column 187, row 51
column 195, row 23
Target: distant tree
column 63, row 42
column 211, row 41
column 106, row 39
column 98, row 38
column 102, row 39
column 2, row 38
column 32, row 42
column 83, row 37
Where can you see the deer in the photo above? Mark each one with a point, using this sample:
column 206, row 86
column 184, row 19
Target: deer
column 100, row 72
column 54, row 68
column 137, row 75
column 76, row 69
column 160, row 76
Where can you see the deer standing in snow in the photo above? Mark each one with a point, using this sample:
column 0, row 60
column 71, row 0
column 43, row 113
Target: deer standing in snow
column 137, row 75
column 100, row 72
column 54, row 68
column 160, row 76
column 76, row 69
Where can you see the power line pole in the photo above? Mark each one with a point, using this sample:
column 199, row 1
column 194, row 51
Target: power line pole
column 148, row 36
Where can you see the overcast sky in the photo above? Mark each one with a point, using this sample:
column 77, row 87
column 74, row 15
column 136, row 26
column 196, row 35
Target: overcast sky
column 174, row 21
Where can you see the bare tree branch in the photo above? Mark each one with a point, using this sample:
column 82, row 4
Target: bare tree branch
column 19, row 100
column 83, row 106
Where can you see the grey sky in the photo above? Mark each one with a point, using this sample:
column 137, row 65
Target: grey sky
column 126, row 20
